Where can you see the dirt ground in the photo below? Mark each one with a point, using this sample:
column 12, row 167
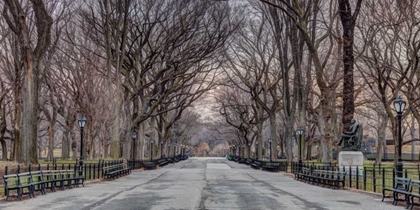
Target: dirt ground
column 10, row 164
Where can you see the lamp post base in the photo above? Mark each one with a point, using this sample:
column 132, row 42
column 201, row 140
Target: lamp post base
column 399, row 169
column 81, row 166
column 300, row 165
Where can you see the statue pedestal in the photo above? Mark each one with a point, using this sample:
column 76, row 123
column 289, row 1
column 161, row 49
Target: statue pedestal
column 349, row 161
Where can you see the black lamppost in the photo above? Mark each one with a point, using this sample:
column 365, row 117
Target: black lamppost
column 151, row 150
column 249, row 150
column 300, row 131
column 243, row 150
column 82, row 123
column 270, row 140
column 399, row 105
column 256, row 152
column 161, row 149
column 134, row 136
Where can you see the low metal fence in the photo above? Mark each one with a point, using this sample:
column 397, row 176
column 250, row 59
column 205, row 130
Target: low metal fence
column 367, row 178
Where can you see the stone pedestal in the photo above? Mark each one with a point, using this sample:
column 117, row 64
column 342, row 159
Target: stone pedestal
column 351, row 159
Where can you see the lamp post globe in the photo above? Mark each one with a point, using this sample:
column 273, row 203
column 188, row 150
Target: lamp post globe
column 134, row 136
column 82, row 124
column 399, row 105
column 299, row 132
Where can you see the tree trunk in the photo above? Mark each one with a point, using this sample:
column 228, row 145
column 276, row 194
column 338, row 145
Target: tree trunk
column 141, row 136
column 325, row 122
column 50, row 155
column 31, row 59
column 65, row 145
column 289, row 140
column 3, row 130
column 383, row 122
column 74, row 145
column 348, row 22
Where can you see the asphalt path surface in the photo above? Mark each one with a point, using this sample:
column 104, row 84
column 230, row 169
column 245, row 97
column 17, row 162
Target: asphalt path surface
column 202, row 183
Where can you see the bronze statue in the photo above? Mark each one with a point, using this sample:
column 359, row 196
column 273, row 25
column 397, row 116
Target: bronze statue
column 351, row 140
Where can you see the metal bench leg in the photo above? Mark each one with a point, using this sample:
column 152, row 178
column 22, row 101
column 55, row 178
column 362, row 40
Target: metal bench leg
column 76, row 183
column 19, row 192
column 383, row 195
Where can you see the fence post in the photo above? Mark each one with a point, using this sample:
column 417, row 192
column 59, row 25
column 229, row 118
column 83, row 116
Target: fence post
column 350, row 176
column 99, row 168
column 357, row 177
column 102, row 166
column 393, row 176
column 383, row 178
column 380, row 168
column 90, row 171
column 364, row 178
column 374, row 179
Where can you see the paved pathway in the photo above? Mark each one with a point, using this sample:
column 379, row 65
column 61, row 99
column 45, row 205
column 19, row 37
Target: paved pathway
column 202, row 183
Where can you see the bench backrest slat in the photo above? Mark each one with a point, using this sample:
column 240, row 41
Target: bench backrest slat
column 402, row 183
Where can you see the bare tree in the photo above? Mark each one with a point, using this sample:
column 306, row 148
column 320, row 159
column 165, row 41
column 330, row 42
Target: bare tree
column 348, row 21
column 31, row 60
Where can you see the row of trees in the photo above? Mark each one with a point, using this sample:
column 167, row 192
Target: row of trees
column 268, row 66
column 318, row 64
column 125, row 65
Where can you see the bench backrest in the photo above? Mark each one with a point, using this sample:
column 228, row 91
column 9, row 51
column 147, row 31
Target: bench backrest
column 51, row 174
column 402, row 183
column 111, row 168
column 338, row 175
column 273, row 164
column 25, row 178
column 68, row 173
column 36, row 176
column 414, row 186
column 306, row 171
column 11, row 180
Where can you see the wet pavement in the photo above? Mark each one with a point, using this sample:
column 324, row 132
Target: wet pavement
column 202, row 183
